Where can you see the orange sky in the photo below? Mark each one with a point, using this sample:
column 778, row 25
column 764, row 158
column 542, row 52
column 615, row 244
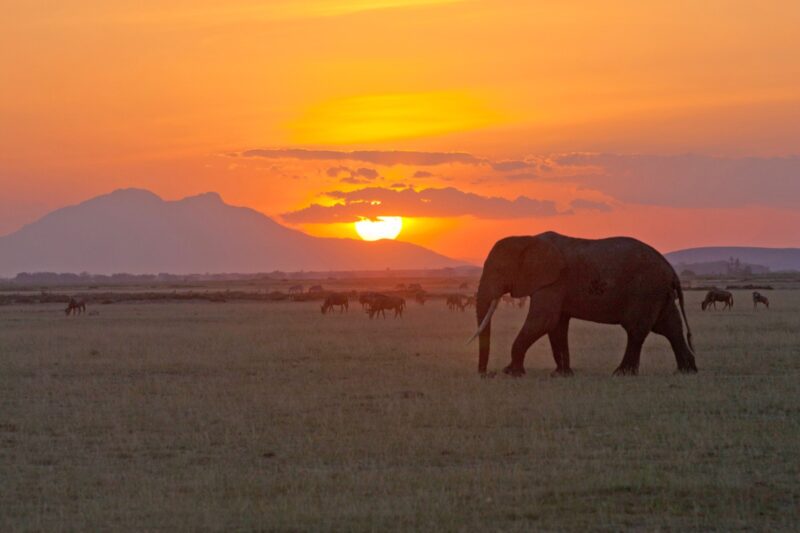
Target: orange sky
column 171, row 96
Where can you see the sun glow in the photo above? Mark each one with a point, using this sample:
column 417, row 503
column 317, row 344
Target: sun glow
column 377, row 117
column 382, row 228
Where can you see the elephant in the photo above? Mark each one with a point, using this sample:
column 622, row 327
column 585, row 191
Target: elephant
column 617, row 280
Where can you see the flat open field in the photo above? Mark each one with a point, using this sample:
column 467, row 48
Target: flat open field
column 271, row 416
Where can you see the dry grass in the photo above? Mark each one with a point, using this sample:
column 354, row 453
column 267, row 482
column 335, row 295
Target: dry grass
column 271, row 416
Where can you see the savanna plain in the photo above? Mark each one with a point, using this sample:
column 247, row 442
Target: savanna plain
column 272, row 416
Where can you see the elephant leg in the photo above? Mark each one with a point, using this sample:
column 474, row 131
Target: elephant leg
column 560, row 346
column 638, row 323
column 543, row 316
column 669, row 325
column 633, row 351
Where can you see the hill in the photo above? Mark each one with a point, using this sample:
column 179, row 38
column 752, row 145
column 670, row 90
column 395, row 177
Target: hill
column 135, row 231
column 775, row 259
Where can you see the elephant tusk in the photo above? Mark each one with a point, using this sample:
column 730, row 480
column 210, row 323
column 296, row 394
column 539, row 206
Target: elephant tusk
column 486, row 319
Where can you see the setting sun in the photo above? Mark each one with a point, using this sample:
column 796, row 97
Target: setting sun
column 382, row 228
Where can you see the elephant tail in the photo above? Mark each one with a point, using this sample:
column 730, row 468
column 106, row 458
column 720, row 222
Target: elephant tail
column 679, row 292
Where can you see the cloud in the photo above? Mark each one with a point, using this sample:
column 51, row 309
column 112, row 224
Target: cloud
column 335, row 171
column 376, row 157
column 509, row 166
column 354, row 181
column 692, row 181
column 367, row 173
column 695, row 181
column 358, row 176
column 371, row 202
column 582, row 203
column 526, row 176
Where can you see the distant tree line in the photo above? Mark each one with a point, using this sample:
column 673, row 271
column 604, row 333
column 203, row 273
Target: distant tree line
column 87, row 279
column 733, row 268
column 84, row 278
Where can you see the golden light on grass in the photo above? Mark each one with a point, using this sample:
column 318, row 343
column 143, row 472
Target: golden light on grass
column 382, row 228
column 392, row 116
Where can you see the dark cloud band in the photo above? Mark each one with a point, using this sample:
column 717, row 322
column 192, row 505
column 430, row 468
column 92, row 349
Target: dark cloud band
column 375, row 157
column 370, row 202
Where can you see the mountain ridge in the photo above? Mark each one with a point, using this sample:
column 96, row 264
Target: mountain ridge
column 136, row 231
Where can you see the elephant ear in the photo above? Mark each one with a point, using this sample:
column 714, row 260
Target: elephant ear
column 540, row 264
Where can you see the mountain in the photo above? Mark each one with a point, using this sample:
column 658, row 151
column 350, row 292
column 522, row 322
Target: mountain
column 775, row 259
column 135, row 231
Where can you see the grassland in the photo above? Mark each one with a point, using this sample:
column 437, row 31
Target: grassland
column 271, row 416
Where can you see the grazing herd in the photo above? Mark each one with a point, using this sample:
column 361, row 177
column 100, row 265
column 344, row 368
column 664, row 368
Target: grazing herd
column 726, row 299
column 376, row 304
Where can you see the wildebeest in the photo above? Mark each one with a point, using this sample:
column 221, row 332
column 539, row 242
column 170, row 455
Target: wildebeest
column 316, row 288
column 380, row 303
column 296, row 289
column 760, row 298
column 717, row 295
column 75, row 307
column 335, row 300
column 456, row 301
column 519, row 302
column 420, row 297
column 365, row 298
